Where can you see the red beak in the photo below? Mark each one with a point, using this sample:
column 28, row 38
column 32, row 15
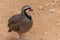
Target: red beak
column 31, row 9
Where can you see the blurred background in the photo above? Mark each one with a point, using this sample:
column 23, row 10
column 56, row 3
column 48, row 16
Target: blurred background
column 46, row 19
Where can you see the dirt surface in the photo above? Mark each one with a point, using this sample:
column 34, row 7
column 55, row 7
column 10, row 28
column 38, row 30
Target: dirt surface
column 46, row 19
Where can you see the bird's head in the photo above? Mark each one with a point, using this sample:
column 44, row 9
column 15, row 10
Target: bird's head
column 26, row 9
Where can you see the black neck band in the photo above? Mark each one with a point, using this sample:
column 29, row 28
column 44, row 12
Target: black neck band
column 29, row 17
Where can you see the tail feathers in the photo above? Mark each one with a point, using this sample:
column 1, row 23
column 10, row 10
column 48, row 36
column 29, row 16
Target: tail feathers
column 9, row 30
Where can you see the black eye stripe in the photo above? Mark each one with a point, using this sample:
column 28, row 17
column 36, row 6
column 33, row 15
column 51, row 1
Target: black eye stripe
column 29, row 17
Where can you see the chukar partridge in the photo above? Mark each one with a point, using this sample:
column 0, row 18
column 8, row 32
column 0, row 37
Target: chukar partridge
column 22, row 22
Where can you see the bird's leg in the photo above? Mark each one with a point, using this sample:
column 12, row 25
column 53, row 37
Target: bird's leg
column 20, row 36
column 10, row 30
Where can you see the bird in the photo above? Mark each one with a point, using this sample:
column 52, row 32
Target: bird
column 21, row 23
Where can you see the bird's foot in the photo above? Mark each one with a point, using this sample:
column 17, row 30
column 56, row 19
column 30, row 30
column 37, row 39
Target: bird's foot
column 19, row 38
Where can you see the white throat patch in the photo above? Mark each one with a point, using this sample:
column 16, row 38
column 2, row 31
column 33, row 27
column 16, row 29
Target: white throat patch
column 28, row 12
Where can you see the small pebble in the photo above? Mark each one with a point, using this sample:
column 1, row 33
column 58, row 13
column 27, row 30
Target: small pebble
column 40, row 7
column 51, row 10
column 46, row 33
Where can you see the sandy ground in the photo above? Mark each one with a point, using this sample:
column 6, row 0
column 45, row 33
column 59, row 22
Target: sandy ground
column 46, row 19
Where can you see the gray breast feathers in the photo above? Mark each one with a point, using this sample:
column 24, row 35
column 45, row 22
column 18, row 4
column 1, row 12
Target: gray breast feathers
column 19, row 23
